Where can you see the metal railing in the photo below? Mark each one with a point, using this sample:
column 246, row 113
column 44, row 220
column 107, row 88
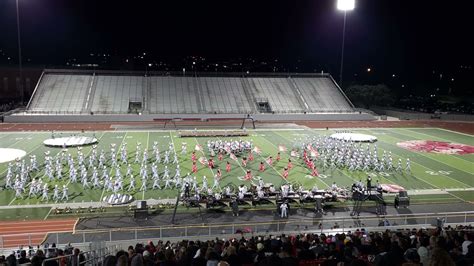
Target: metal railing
column 208, row 228
column 94, row 256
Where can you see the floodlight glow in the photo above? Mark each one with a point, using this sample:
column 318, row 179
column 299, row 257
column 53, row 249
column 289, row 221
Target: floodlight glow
column 345, row 5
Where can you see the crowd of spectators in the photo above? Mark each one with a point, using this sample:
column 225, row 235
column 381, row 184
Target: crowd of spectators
column 5, row 107
column 451, row 246
column 428, row 247
column 68, row 256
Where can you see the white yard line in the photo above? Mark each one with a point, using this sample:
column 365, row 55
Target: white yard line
column 9, row 204
column 429, row 135
column 5, row 134
column 460, row 133
column 49, row 212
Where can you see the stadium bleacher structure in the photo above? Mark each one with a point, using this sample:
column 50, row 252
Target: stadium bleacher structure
column 61, row 92
column 100, row 95
column 107, row 93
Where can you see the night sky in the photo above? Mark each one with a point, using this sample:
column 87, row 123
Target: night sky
column 390, row 36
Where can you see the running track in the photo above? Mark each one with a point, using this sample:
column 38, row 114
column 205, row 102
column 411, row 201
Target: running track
column 17, row 233
column 465, row 127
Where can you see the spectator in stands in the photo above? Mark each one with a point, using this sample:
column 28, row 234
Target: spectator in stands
column 285, row 254
column 441, row 257
column 190, row 252
column 62, row 261
column 131, row 252
column 121, row 253
column 406, row 248
column 468, row 259
column 230, row 256
column 212, row 257
column 137, row 258
column 151, row 247
column 122, row 260
column 199, row 259
column 148, row 258
column 466, row 243
column 38, row 258
column 77, row 258
column 181, row 256
column 411, row 257
column 11, row 260
column 169, row 258
column 50, row 254
column 110, row 261
column 423, row 250
column 23, row 259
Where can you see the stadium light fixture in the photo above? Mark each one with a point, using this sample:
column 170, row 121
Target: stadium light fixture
column 344, row 5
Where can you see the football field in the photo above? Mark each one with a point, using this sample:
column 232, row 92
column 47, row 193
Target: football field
column 431, row 172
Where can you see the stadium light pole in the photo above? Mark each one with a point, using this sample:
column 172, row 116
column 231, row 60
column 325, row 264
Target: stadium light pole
column 19, row 52
column 344, row 5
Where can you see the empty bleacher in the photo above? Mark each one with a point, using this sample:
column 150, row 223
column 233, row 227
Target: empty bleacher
column 115, row 93
column 61, row 93
column 322, row 95
column 281, row 97
column 224, row 95
column 173, row 95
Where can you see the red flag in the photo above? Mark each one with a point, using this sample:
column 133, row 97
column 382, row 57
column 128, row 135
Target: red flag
column 313, row 151
column 257, row 150
column 203, row 160
column 233, row 157
column 269, row 161
column 281, row 148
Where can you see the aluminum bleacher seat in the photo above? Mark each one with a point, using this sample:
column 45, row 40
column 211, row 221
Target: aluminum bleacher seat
column 61, row 93
column 114, row 93
column 322, row 95
column 173, row 95
column 109, row 93
column 223, row 95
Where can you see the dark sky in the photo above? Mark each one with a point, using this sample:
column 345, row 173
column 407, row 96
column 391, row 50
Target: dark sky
column 399, row 36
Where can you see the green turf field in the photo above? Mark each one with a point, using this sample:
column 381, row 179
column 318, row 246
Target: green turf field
column 429, row 170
